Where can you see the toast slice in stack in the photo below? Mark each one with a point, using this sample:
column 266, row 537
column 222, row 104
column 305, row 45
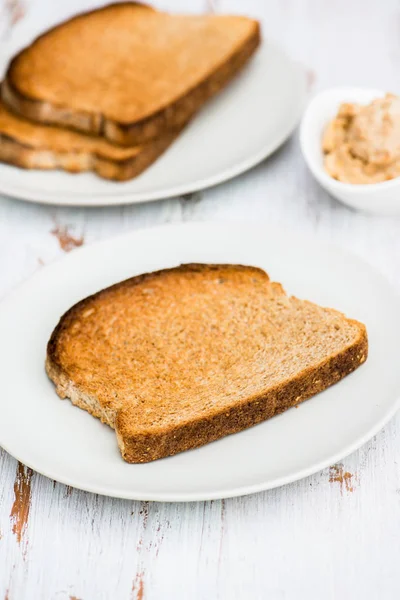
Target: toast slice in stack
column 128, row 72
column 35, row 146
column 175, row 359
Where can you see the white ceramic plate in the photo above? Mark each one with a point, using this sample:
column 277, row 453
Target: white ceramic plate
column 233, row 132
column 69, row 445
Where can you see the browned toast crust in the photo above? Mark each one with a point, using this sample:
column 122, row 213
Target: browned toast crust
column 14, row 153
column 35, row 146
column 68, row 318
column 153, row 125
column 144, row 446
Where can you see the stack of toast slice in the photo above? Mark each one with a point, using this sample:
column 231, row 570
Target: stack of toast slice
column 109, row 90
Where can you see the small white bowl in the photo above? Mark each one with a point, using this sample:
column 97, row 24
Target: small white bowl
column 378, row 198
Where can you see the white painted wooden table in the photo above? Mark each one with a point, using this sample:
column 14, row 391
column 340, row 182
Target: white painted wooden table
column 335, row 535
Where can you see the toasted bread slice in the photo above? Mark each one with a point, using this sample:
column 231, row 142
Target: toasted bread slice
column 126, row 71
column 34, row 146
column 175, row 359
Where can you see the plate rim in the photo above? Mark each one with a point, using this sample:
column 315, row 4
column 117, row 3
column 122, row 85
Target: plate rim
column 129, row 198
column 235, row 491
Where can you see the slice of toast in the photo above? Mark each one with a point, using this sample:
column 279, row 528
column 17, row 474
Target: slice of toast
column 128, row 72
column 34, row 146
column 175, row 359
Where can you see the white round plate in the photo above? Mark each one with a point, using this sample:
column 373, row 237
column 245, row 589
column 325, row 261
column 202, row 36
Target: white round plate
column 233, row 132
column 69, row 445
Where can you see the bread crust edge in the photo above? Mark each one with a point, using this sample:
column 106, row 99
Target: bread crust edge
column 146, row 448
column 21, row 155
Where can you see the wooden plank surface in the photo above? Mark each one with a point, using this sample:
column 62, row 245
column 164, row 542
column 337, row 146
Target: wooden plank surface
column 331, row 536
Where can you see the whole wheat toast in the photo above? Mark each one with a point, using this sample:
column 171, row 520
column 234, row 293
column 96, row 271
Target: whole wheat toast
column 128, row 72
column 35, row 146
column 178, row 358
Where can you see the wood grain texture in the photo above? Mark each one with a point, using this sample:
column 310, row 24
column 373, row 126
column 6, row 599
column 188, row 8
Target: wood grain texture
column 331, row 536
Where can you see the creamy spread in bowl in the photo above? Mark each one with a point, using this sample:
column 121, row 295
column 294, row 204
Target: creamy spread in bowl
column 362, row 143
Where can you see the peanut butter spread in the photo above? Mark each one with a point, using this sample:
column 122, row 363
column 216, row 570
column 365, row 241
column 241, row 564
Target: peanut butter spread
column 362, row 143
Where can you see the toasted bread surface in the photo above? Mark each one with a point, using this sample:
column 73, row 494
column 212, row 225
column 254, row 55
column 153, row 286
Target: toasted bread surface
column 35, row 146
column 126, row 71
column 178, row 358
